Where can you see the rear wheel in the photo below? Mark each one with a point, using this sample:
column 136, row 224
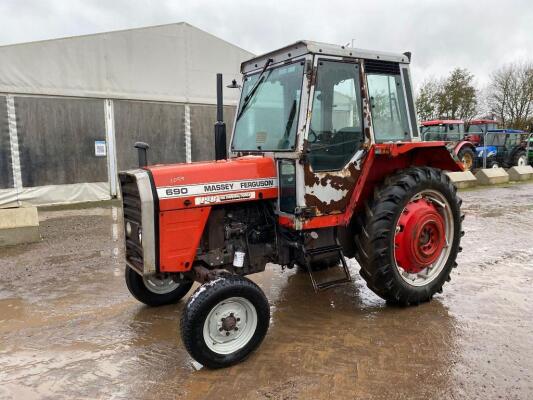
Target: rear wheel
column 157, row 289
column 409, row 237
column 224, row 321
column 466, row 155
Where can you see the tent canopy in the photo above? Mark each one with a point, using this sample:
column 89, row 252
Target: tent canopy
column 175, row 62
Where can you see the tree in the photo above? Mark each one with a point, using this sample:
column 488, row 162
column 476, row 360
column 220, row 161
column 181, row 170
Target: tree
column 510, row 95
column 457, row 97
column 454, row 97
column 426, row 101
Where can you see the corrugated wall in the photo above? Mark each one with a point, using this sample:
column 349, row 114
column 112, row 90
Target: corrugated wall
column 203, row 118
column 57, row 140
column 57, row 137
column 6, row 171
column 161, row 125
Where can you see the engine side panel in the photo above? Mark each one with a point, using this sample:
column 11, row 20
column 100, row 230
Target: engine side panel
column 180, row 233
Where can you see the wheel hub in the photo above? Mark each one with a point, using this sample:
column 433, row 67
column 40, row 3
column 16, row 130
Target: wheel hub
column 160, row 283
column 420, row 236
column 229, row 323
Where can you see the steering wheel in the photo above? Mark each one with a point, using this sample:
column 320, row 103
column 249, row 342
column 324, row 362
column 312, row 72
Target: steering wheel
column 315, row 136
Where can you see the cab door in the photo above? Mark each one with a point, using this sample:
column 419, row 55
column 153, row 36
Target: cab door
column 335, row 137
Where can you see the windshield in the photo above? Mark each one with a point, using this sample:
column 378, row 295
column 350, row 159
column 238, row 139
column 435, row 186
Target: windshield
column 269, row 120
column 495, row 139
column 433, row 132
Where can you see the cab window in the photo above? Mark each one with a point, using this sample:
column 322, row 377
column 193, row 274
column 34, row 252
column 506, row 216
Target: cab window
column 336, row 129
column 388, row 107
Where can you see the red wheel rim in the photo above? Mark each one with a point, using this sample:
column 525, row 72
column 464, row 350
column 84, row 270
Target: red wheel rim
column 420, row 236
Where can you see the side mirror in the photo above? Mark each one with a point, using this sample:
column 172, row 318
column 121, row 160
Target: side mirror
column 234, row 85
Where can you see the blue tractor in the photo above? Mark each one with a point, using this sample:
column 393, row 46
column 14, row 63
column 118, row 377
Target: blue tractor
column 503, row 148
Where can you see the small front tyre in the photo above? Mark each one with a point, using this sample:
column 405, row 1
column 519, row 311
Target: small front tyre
column 155, row 290
column 520, row 158
column 224, row 321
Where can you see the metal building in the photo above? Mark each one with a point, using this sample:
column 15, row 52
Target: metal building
column 71, row 109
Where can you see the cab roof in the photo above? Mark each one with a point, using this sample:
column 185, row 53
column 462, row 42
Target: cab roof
column 503, row 131
column 482, row 121
column 306, row 46
column 442, row 122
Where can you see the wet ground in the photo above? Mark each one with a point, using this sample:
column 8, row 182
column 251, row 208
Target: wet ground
column 70, row 329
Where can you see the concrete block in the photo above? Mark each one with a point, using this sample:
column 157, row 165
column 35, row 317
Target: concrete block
column 19, row 225
column 522, row 173
column 492, row 176
column 463, row 179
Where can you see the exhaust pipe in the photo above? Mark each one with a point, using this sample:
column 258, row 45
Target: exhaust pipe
column 220, row 126
column 142, row 153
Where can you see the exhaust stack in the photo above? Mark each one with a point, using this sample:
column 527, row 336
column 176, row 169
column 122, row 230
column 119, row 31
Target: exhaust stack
column 141, row 153
column 220, row 126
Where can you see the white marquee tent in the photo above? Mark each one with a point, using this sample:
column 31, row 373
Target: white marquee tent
column 59, row 97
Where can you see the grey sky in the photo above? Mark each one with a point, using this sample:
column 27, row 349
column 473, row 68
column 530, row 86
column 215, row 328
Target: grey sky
column 479, row 35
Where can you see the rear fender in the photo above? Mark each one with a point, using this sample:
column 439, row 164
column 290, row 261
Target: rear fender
column 384, row 160
column 381, row 161
column 462, row 145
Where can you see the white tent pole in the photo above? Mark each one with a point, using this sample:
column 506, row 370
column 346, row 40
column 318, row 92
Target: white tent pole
column 187, row 128
column 112, row 172
column 14, row 142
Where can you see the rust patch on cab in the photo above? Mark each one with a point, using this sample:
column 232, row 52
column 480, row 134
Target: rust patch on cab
column 344, row 180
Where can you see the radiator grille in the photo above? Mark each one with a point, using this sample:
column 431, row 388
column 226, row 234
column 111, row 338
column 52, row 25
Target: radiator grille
column 131, row 204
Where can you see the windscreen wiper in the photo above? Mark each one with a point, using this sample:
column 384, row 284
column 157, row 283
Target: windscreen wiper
column 252, row 91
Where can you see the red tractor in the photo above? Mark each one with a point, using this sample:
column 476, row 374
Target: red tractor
column 477, row 129
column 452, row 131
column 325, row 163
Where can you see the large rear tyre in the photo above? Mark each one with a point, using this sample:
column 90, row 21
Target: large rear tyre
column 155, row 290
column 224, row 321
column 410, row 235
column 467, row 157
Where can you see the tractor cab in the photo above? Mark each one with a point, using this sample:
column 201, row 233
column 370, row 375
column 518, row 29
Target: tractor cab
column 477, row 128
column 316, row 109
column 446, row 130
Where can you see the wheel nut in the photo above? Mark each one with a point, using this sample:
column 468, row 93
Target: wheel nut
column 220, row 329
column 227, row 333
column 236, row 328
column 238, row 319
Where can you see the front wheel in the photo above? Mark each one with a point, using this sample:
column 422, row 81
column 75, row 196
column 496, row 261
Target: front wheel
column 157, row 289
column 224, row 321
column 520, row 158
column 410, row 234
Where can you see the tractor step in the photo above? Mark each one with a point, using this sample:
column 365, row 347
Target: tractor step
column 319, row 286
